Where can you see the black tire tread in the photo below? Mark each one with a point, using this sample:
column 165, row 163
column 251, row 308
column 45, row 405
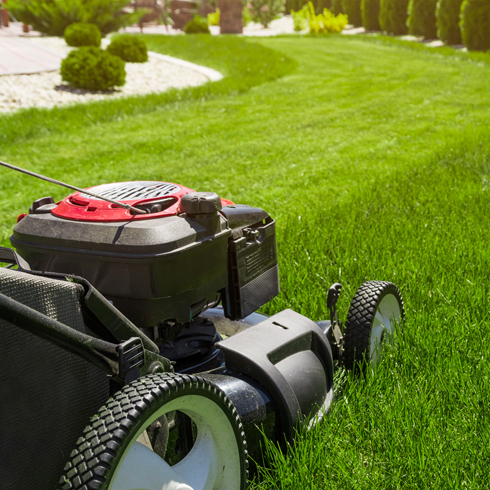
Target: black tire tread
column 357, row 331
column 97, row 450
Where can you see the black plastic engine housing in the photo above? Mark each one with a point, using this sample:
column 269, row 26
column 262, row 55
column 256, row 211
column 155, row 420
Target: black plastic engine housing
column 165, row 269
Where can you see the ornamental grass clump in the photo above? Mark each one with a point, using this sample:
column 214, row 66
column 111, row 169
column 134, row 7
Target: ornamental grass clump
column 370, row 14
column 80, row 34
column 447, row 19
column 352, row 8
column 422, row 18
column 393, row 16
column 324, row 23
column 92, row 68
column 129, row 48
column 475, row 24
column 198, row 25
column 213, row 18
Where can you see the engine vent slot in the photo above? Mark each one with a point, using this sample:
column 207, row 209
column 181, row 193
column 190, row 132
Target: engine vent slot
column 131, row 191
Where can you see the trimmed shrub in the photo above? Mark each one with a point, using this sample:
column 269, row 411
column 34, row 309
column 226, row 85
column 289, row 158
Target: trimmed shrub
column 447, row 19
column 92, row 68
column 393, row 16
column 265, row 11
column 337, row 7
column 370, row 15
column 52, row 17
column 79, row 34
column 198, row 25
column 422, row 18
column 475, row 24
column 129, row 48
column 352, row 8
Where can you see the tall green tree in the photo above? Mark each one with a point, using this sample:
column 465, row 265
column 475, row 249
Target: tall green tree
column 370, row 14
column 393, row 16
column 353, row 10
column 475, row 24
column 447, row 19
column 422, row 18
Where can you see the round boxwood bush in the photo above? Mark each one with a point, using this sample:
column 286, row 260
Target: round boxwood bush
column 475, row 24
column 393, row 16
column 337, row 7
column 198, row 25
column 353, row 10
column 92, row 68
column 79, row 34
column 129, row 48
column 370, row 14
column 447, row 18
column 422, row 18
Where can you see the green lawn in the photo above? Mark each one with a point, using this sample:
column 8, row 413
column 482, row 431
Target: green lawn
column 374, row 157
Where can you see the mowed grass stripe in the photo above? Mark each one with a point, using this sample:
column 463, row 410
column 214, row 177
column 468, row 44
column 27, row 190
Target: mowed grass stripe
column 374, row 159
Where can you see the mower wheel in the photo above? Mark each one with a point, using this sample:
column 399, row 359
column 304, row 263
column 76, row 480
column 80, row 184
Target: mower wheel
column 127, row 446
column 374, row 310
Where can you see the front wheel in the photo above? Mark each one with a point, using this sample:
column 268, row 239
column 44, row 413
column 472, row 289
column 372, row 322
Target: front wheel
column 375, row 309
column 161, row 432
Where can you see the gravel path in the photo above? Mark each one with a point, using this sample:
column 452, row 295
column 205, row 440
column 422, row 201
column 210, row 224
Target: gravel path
column 47, row 89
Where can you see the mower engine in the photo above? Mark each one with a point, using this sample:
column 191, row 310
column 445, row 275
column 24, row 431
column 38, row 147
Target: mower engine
column 185, row 251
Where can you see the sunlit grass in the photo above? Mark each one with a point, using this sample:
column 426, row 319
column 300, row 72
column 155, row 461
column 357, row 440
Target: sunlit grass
column 375, row 160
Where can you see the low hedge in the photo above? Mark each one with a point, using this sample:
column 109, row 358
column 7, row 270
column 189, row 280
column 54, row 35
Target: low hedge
column 80, row 34
column 370, row 15
column 447, row 19
column 198, row 25
column 422, row 18
column 129, row 48
column 475, row 24
column 93, row 68
column 393, row 16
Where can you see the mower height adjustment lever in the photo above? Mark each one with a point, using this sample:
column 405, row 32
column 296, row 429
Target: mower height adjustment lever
column 332, row 298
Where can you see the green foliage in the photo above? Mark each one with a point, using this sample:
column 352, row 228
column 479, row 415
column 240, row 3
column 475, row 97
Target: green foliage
column 352, row 8
column 265, row 11
column 370, row 15
column 92, row 68
column 129, row 48
column 319, row 5
column 213, row 18
column 447, row 17
column 246, row 17
column 422, row 18
column 324, row 23
column 337, row 7
column 52, row 17
column 79, row 34
column 198, row 25
column 475, row 24
column 393, row 16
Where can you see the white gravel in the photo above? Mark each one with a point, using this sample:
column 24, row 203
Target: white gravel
column 47, row 89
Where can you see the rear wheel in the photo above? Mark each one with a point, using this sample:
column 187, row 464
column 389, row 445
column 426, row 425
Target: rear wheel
column 128, row 445
column 375, row 309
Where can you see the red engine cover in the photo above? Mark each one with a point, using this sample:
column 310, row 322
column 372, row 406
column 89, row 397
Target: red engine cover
column 81, row 207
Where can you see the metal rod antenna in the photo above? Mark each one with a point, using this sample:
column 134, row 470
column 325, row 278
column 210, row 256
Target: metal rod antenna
column 72, row 187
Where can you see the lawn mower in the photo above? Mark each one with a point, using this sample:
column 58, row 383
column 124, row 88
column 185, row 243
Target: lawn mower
column 132, row 351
